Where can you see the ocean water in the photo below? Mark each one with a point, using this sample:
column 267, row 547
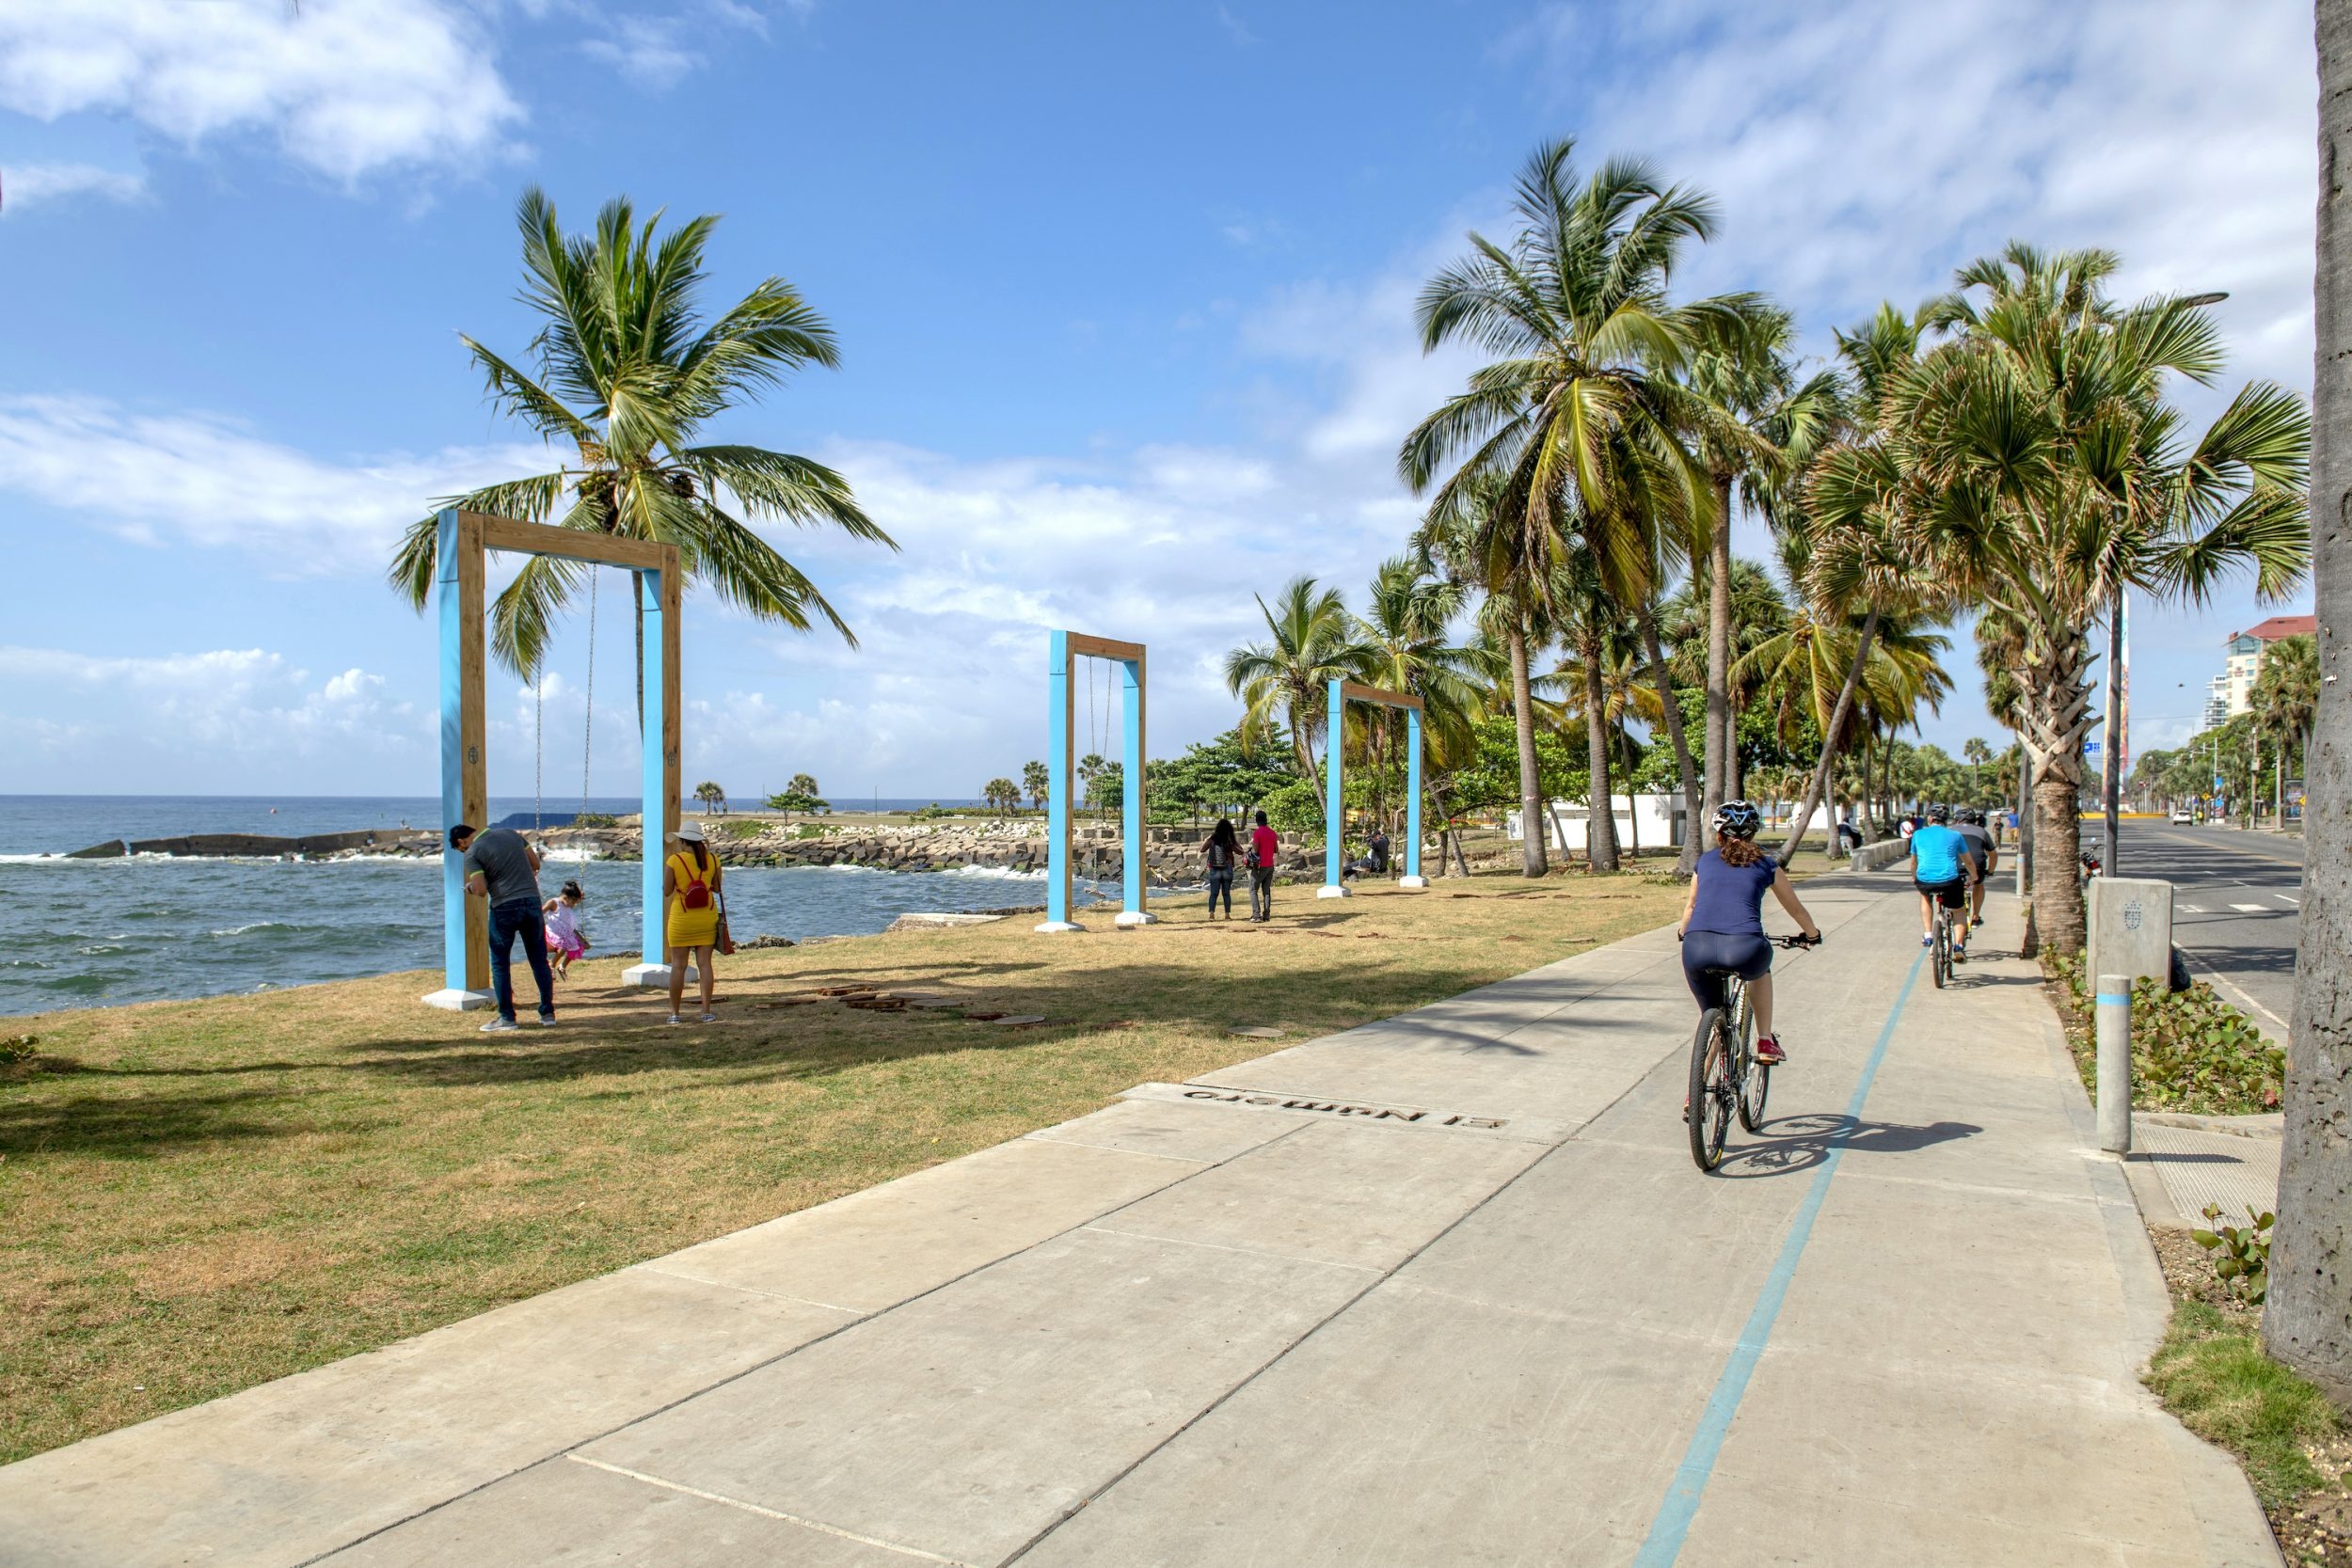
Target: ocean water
column 94, row 933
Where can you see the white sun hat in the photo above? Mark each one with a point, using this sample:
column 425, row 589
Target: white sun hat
column 689, row 831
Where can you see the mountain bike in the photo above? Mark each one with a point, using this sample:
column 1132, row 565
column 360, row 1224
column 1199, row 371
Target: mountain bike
column 1726, row 1077
column 1940, row 954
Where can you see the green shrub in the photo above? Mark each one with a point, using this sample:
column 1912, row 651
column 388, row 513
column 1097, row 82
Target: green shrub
column 744, row 830
column 595, row 819
column 792, row 801
column 2241, row 1252
column 18, row 1048
column 2191, row 1051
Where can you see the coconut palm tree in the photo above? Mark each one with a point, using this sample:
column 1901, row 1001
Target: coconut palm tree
column 1603, row 682
column 1036, row 778
column 1311, row 640
column 625, row 374
column 1578, row 416
column 1762, row 423
column 1407, row 646
column 715, row 800
column 2049, row 473
column 1978, row 753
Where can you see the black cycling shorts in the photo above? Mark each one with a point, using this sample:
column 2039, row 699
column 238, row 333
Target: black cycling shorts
column 1707, row 955
column 1953, row 894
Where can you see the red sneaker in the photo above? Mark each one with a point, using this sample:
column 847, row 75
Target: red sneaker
column 1768, row 1051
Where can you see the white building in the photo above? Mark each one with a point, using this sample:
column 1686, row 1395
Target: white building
column 2246, row 650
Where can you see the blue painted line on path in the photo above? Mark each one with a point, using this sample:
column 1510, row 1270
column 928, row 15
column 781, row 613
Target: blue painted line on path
column 1680, row 1505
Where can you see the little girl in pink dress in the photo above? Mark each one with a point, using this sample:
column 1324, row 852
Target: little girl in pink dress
column 565, row 940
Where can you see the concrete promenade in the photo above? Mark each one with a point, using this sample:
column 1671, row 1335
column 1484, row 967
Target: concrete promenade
column 1466, row 1301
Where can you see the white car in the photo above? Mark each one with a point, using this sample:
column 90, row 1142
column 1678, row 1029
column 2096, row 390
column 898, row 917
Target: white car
column 2182, row 814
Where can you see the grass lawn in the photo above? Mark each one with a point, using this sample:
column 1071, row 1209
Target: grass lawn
column 196, row 1197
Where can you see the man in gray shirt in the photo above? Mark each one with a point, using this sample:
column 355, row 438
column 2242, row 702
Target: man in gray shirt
column 1968, row 822
column 503, row 868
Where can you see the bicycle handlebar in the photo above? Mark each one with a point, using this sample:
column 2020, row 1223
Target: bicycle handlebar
column 1801, row 940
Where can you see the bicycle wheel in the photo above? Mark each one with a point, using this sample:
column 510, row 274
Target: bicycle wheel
column 1939, row 957
column 1755, row 1078
column 1709, row 1113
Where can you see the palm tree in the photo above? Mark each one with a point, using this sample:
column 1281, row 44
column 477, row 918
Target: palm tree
column 1602, row 683
column 1036, row 778
column 1845, row 517
column 2049, row 474
column 1089, row 770
column 1978, row 753
column 715, row 800
column 1578, row 416
column 1406, row 644
column 1761, row 424
column 1001, row 795
column 625, row 375
column 1311, row 640
column 802, row 783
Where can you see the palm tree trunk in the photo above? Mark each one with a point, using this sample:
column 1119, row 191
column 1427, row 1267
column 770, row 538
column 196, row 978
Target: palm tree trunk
column 1632, row 802
column 1533, row 859
column 1600, row 819
column 1694, row 804
column 1733, row 785
column 2307, row 1322
column 1819, row 787
column 1719, row 729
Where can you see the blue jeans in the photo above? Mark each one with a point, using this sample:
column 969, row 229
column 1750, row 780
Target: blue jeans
column 520, row 918
column 1221, row 885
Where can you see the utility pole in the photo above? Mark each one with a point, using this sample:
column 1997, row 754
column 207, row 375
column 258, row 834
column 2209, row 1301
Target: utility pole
column 2117, row 677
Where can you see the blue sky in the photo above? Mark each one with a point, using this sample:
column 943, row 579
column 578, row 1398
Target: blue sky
column 1123, row 295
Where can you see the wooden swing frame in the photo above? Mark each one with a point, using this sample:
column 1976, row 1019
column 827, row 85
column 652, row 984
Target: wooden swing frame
column 462, row 567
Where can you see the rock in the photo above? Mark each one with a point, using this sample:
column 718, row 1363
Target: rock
column 764, row 941
column 114, row 848
column 1016, row 1021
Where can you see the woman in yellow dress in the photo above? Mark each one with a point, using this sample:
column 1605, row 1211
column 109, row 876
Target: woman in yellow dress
column 690, row 901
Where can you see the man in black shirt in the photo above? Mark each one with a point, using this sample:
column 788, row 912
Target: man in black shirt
column 504, row 868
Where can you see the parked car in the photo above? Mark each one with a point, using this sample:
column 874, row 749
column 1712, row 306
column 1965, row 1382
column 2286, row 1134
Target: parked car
column 2182, row 814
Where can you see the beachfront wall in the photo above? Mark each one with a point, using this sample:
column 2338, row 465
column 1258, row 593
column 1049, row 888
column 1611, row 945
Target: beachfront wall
column 1340, row 694
column 464, row 539
column 1063, row 650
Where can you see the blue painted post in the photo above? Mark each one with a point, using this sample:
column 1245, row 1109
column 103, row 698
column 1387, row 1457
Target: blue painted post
column 654, row 821
column 453, row 750
column 1412, row 795
column 1131, row 801
column 1334, row 738
column 1057, row 788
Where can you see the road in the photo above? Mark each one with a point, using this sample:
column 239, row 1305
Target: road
column 2236, row 910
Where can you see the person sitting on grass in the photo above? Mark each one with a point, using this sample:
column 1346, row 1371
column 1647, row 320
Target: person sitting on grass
column 566, row 941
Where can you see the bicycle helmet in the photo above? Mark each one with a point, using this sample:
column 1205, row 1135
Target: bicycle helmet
column 1969, row 816
column 1738, row 819
column 1941, row 816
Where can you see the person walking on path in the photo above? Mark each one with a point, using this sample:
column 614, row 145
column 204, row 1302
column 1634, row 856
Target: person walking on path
column 690, row 899
column 1723, row 920
column 504, row 868
column 1265, row 847
column 1221, row 852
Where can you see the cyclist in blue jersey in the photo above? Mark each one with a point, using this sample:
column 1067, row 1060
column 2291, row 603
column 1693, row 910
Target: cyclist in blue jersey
column 1941, row 868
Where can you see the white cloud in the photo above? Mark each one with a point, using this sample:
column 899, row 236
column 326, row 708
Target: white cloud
column 1861, row 151
column 189, row 721
column 346, row 87
column 29, row 185
column 645, row 50
column 195, row 476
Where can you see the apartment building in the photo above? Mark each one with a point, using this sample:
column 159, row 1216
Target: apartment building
column 2233, row 689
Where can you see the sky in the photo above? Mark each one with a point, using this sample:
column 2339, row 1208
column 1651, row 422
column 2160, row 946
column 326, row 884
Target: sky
column 1123, row 296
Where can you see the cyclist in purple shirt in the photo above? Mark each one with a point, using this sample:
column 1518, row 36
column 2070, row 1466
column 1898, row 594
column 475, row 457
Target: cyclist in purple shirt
column 1723, row 921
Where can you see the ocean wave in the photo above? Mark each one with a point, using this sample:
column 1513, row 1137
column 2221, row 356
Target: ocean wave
column 97, row 947
column 257, row 926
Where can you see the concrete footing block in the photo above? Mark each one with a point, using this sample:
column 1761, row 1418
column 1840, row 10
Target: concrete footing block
column 457, row 1001
column 1335, row 890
